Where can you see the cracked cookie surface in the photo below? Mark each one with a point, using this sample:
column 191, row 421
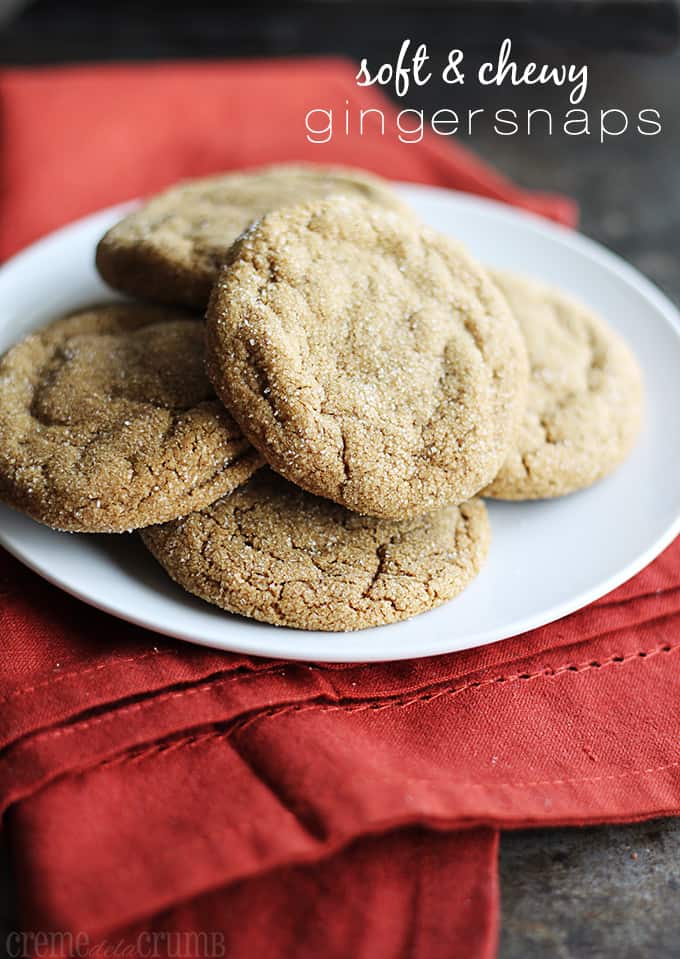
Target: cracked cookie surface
column 274, row 553
column 369, row 359
column 584, row 406
column 108, row 422
column 170, row 249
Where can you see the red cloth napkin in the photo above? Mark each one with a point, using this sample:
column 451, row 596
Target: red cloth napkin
column 191, row 803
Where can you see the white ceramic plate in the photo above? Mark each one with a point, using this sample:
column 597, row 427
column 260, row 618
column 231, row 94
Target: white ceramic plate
column 547, row 558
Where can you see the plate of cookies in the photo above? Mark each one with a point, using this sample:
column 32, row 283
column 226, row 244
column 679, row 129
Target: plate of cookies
column 304, row 412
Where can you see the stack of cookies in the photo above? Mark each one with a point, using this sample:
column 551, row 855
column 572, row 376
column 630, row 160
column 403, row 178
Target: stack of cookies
column 312, row 454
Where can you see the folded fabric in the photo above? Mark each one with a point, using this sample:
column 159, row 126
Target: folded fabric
column 154, row 789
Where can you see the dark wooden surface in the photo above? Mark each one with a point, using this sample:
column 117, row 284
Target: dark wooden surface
column 602, row 893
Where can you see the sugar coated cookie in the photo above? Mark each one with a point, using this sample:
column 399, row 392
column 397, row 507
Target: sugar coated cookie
column 369, row 359
column 275, row 553
column 108, row 422
column 170, row 249
column 584, row 406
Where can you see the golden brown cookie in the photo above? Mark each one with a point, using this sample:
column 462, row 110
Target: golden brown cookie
column 275, row 553
column 369, row 359
column 584, row 405
column 170, row 249
column 108, row 422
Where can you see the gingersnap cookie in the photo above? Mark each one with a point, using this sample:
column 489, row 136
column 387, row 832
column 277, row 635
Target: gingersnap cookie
column 368, row 358
column 584, row 406
column 277, row 554
column 170, row 249
column 108, row 422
